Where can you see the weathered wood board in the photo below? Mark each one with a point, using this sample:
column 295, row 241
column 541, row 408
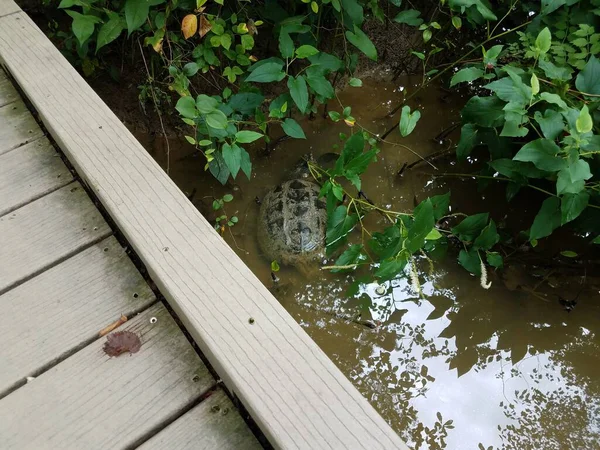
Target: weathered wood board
column 52, row 315
column 214, row 424
column 289, row 386
column 93, row 401
column 47, row 231
column 30, row 172
column 8, row 7
column 17, row 126
column 8, row 93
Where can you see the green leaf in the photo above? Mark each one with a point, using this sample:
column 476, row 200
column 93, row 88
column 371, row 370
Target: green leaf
column 535, row 84
column 227, row 198
column 245, row 102
column 543, row 40
column 320, row 84
column 206, row 104
column 304, row 51
column 110, row 31
column 293, row 129
column 494, row 259
column 480, row 5
column 554, row 99
column 547, row 219
column 83, row 25
column 555, row 72
column 274, row 266
column 218, row 168
column 588, row 80
column 584, row 122
column 421, row 227
column 433, row 235
column 361, row 41
column 572, row 178
column 466, row 75
column 470, row 261
column 354, row 147
column 484, row 111
column 471, row 227
column 390, row 269
column 286, row 45
column 136, row 13
column 569, row 254
column 549, row 6
column 456, row 22
column 216, row 119
column 572, row 205
column 386, row 244
column 265, row 73
column 353, row 255
column 355, row 82
column 186, row 106
column 247, row 42
column 408, row 121
column 333, row 115
column 510, row 90
column 551, row 123
column 190, row 69
column 468, row 140
column 247, row 136
column 225, row 41
column 232, row 155
column 298, row 91
column 488, row 237
column 354, row 11
column 543, row 153
column 246, row 165
column 339, row 224
column 441, row 205
column 409, row 17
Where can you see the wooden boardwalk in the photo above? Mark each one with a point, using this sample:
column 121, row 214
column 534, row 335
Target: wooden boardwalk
column 63, row 278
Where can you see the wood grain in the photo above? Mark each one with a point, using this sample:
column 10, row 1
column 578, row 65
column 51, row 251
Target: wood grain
column 47, row 318
column 290, row 387
column 8, row 94
column 17, row 126
column 212, row 425
column 47, row 231
column 8, row 7
column 30, row 172
column 93, row 401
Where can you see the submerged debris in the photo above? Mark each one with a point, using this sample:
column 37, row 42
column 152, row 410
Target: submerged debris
column 121, row 342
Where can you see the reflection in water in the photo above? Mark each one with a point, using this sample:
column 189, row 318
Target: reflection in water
column 462, row 367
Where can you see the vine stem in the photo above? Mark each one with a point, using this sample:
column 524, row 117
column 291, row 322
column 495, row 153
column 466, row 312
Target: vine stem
column 442, row 72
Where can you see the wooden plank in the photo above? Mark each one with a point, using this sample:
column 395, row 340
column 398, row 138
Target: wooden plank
column 46, row 232
column 8, row 93
column 29, row 173
column 289, row 386
column 17, row 126
column 212, row 425
column 8, row 7
column 93, row 401
column 56, row 313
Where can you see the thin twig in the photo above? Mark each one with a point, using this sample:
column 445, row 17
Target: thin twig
column 162, row 126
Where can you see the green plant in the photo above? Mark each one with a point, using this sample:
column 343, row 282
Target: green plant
column 223, row 220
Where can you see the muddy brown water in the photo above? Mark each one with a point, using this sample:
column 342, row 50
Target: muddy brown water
column 509, row 366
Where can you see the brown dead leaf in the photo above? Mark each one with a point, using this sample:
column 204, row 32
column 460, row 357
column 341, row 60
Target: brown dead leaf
column 189, row 25
column 116, row 324
column 121, row 342
column 205, row 26
column 251, row 27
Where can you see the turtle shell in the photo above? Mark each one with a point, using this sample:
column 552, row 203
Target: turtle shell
column 292, row 223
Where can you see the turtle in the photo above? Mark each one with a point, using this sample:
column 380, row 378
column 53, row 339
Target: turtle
column 292, row 220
